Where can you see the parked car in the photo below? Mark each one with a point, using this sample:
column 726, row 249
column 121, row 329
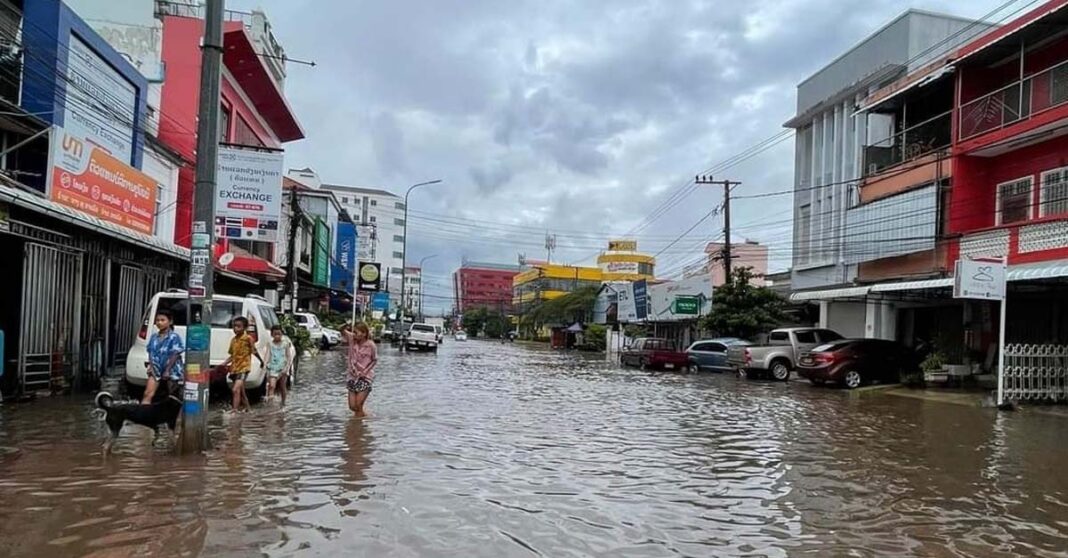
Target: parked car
column 711, row 354
column 460, row 335
column 855, row 362
column 779, row 356
column 331, row 338
column 310, row 322
column 654, row 352
column 421, row 337
column 261, row 317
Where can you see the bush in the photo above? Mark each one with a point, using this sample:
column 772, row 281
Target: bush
column 594, row 338
column 299, row 336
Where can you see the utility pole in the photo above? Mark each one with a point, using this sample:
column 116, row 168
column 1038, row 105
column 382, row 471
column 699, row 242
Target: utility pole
column 727, row 185
column 291, row 271
column 201, row 286
column 550, row 245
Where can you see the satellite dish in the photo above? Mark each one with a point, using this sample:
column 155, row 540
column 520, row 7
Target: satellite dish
column 226, row 259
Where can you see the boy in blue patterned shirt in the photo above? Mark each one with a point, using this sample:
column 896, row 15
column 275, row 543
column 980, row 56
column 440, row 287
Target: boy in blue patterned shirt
column 165, row 350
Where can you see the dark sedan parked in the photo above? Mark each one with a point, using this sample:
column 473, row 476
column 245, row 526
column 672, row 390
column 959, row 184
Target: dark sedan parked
column 711, row 354
column 855, row 362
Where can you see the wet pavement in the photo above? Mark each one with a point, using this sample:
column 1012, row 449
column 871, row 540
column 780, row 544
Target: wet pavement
column 508, row 450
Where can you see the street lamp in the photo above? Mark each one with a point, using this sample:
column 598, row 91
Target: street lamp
column 421, row 284
column 404, row 244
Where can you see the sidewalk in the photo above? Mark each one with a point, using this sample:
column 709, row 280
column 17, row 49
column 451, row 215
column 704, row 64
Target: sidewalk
column 970, row 398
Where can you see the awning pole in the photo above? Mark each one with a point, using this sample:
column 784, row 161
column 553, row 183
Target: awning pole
column 1001, row 351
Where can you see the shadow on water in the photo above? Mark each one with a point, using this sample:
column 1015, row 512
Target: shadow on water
column 510, row 450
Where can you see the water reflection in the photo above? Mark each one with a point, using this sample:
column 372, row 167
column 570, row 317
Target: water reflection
column 504, row 450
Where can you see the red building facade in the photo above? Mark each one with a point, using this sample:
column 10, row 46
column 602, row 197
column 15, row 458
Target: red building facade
column 254, row 111
column 484, row 285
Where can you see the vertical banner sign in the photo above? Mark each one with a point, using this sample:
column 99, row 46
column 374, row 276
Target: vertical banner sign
column 641, row 300
column 370, row 278
column 85, row 177
column 95, row 95
column 321, row 254
column 343, row 266
column 248, row 196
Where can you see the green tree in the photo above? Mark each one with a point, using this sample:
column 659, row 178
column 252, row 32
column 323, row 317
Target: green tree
column 474, row 321
column 496, row 326
column 741, row 309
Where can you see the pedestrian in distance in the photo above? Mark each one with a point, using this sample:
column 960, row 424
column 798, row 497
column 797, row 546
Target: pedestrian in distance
column 363, row 356
column 242, row 349
column 280, row 356
column 164, row 356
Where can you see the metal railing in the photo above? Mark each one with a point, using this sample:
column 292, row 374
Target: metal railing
column 913, row 142
column 1015, row 102
column 1036, row 372
column 193, row 9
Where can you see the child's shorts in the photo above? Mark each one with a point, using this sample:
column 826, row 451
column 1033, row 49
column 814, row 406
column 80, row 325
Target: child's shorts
column 359, row 385
column 238, row 376
column 273, row 373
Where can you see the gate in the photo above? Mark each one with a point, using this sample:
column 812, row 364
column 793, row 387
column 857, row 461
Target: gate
column 50, row 318
column 1036, row 372
column 94, row 321
column 136, row 287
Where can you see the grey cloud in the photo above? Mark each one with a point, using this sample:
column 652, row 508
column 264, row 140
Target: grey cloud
column 388, row 142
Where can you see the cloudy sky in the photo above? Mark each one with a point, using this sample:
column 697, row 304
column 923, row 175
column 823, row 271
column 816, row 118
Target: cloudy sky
column 581, row 118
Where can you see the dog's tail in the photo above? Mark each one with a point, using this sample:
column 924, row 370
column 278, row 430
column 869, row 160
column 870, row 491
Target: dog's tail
column 104, row 400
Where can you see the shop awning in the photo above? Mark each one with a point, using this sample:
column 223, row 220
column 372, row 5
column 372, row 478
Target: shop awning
column 919, row 79
column 40, row 204
column 829, row 294
column 913, row 285
column 1044, row 270
column 249, row 264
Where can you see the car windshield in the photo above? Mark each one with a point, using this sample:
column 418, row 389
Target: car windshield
column 222, row 311
column 423, row 328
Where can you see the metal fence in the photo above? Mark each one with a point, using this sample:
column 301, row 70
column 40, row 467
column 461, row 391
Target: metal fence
column 1036, row 372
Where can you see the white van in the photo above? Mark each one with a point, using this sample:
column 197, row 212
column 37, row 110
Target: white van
column 261, row 317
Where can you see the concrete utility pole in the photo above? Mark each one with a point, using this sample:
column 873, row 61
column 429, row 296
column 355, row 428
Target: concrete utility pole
column 291, row 268
column 201, row 287
column 727, row 185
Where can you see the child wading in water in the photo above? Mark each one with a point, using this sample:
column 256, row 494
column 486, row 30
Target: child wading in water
column 363, row 356
column 280, row 356
column 242, row 349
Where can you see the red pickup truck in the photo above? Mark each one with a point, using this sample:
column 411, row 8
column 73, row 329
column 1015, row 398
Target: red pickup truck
column 654, row 352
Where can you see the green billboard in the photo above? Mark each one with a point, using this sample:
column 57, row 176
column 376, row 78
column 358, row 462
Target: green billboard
column 321, row 254
column 687, row 305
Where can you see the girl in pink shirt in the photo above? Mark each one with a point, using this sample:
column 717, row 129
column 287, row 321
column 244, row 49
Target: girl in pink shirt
column 363, row 356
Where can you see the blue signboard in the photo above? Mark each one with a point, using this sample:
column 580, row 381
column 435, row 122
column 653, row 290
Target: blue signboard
column 380, row 301
column 343, row 264
column 641, row 299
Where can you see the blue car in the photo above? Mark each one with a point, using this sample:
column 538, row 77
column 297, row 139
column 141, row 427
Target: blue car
column 711, row 354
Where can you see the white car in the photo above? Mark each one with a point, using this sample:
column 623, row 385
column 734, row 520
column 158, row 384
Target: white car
column 260, row 314
column 310, row 322
column 331, row 338
column 460, row 336
column 422, row 337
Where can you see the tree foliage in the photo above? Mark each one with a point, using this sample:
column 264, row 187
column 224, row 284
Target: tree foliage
column 576, row 306
column 741, row 309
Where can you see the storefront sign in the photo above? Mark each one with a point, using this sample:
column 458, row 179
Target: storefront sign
column 380, row 301
column 625, row 268
column 248, row 196
column 84, row 177
column 321, row 254
column 687, row 305
column 641, row 300
column 981, row 278
column 100, row 104
column 343, row 266
column 370, row 278
column 622, row 245
column 680, row 300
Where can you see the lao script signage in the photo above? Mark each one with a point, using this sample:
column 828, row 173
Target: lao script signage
column 981, row 278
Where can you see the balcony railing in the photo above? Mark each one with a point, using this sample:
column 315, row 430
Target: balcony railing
column 915, row 141
column 1015, row 102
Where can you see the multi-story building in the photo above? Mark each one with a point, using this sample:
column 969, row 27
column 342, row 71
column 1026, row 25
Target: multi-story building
column 483, row 285
column 623, row 262
column 538, row 282
column 749, row 254
column 413, row 291
column 830, row 156
column 379, row 217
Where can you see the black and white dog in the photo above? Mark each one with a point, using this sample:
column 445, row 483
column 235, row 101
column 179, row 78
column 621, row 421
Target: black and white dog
column 152, row 415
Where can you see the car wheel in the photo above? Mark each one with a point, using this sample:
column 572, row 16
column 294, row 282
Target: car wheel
column 780, row 371
column 693, row 368
column 852, row 379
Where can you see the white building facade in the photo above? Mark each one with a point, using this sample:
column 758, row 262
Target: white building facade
column 829, row 141
column 379, row 218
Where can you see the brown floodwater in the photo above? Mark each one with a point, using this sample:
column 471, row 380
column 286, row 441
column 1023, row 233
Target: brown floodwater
column 505, row 450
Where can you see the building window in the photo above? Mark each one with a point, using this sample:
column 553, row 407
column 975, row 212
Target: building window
column 398, row 255
column 1054, row 192
column 804, row 224
column 224, row 123
column 243, row 134
column 1014, row 201
column 398, row 222
column 373, row 219
column 399, row 205
column 374, row 202
column 398, row 238
column 344, row 199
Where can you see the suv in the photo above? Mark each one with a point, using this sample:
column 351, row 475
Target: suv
column 653, row 352
column 422, row 336
column 261, row 317
column 310, row 322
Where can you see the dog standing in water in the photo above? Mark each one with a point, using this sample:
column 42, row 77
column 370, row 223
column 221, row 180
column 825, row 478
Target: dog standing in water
column 151, row 415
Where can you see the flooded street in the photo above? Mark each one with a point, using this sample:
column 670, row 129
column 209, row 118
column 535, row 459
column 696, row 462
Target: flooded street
column 506, row 450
